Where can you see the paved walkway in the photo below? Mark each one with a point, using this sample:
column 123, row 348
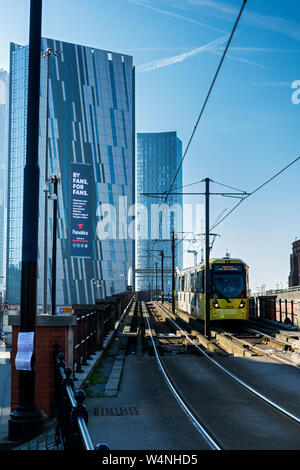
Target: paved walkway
column 143, row 415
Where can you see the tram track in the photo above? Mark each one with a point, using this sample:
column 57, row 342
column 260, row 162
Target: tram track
column 244, row 340
column 277, row 409
column 210, row 440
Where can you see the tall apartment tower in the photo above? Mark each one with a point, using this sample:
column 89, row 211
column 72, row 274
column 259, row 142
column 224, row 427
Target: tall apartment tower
column 158, row 158
column 91, row 147
column 294, row 277
column 3, row 170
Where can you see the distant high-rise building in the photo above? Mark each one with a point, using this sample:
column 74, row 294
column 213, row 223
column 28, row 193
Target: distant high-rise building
column 91, row 146
column 3, row 170
column 294, row 277
column 158, row 158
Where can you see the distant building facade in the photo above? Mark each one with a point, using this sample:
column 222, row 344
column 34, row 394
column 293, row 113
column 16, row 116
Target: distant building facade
column 91, row 146
column 3, row 170
column 158, row 158
column 294, row 277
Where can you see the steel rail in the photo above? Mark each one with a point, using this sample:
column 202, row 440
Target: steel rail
column 277, row 340
column 272, row 356
column 264, row 352
column 234, row 377
column 212, row 444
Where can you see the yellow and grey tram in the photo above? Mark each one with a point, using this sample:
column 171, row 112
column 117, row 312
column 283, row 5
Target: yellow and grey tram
column 229, row 290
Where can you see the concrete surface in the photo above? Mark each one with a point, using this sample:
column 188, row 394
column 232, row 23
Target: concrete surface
column 240, row 420
column 154, row 420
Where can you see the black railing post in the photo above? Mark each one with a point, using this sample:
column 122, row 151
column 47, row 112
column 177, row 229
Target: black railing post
column 286, row 312
column 78, row 346
column 80, row 411
column 71, row 414
column 280, row 311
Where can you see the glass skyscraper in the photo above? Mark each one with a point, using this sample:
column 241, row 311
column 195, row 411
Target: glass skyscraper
column 158, row 158
column 91, row 135
column 3, row 170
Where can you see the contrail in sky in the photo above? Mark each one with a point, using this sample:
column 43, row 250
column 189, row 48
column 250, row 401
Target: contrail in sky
column 157, row 64
column 276, row 24
column 175, row 15
column 239, row 59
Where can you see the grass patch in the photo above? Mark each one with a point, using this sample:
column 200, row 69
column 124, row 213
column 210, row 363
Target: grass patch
column 98, row 377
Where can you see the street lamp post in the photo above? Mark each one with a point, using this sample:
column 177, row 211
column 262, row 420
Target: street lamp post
column 26, row 419
column 54, row 180
column 46, row 55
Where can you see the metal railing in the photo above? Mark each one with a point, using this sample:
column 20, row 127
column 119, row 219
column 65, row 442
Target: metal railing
column 277, row 291
column 85, row 343
column 271, row 308
column 70, row 412
column 93, row 323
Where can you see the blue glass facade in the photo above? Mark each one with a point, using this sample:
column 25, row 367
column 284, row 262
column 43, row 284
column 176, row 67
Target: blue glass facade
column 158, row 158
column 90, row 140
column 3, row 169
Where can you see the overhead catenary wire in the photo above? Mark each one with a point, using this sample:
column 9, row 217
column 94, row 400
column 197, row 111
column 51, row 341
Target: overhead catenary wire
column 205, row 103
column 255, row 191
column 230, row 187
column 208, row 95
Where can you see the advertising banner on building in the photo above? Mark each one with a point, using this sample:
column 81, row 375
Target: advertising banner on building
column 81, row 210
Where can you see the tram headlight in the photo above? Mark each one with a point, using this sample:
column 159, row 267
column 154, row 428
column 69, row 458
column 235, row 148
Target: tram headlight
column 242, row 304
column 215, row 304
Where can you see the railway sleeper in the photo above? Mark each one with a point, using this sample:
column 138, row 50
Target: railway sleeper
column 234, row 346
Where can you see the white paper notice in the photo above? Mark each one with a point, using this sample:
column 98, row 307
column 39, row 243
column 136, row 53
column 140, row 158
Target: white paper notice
column 25, row 351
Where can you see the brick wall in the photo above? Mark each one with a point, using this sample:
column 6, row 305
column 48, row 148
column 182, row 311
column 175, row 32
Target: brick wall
column 49, row 331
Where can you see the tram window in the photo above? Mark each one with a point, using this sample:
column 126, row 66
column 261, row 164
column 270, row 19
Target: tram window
column 188, row 282
column 192, row 286
column 200, row 282
column 229, row 285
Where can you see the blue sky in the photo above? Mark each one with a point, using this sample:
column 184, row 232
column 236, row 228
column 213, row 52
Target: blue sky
column 250, row 128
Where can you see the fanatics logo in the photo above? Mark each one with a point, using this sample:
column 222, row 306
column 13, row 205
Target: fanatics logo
column 80, row 226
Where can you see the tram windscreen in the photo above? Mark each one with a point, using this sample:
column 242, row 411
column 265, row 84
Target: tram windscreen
column 228, row 281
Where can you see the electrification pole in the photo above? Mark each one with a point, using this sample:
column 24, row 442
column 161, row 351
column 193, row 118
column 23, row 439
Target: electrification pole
column 173, row 272
column 162, row 275
column 207, row 270
column 207, row 194
column 155, row 281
